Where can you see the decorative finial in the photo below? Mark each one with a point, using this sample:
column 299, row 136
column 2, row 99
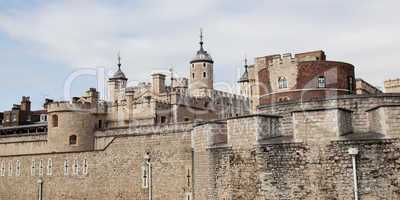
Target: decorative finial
column 245, row 62
column 201, row 38
column 119, row 60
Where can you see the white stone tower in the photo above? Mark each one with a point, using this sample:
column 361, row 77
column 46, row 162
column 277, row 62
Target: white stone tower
column 201, row 72
column 116, row 83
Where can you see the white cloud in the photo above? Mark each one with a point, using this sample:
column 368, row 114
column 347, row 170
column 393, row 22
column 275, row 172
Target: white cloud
column 159, row 34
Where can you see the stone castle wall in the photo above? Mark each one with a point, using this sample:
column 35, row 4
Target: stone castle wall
column 112, row 173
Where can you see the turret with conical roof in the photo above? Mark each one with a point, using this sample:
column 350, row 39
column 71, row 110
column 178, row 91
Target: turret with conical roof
column 116, row 83
column 201, row 71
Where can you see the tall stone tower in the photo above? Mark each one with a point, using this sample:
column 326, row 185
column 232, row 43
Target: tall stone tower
column 116, row 83
column 201, row 72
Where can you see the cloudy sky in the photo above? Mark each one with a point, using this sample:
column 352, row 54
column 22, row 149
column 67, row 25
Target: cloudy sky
column 45, row 43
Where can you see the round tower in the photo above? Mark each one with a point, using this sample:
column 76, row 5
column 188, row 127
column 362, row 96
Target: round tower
column 71, row 127
column 116, row 83
column 201, row 71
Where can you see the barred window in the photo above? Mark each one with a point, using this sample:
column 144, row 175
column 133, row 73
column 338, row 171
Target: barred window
column 17, row 168
column 41, row 168
column 66, row 167
column 76, row 167
column 2, row 169
column 85, row 167
column 10, row 168
column 49, row 167
column 33, row 168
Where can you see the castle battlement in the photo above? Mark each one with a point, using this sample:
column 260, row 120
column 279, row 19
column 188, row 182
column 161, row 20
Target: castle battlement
column 62, row 106
column 282, row 59
column 392, row 83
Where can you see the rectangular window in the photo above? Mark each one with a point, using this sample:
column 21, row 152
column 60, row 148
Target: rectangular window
column 33, row 168
column 66, row 167
column 10, row 168
column 85, row 167
column 40, row 167
column 350, row 84
column 49, row 167
column 321, row 82
column 76, row 167
column 163, row 119
column 17, row 168
column 2, row 168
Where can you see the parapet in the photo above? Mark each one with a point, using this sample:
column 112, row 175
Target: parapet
column 66, row 106
column 384, row 119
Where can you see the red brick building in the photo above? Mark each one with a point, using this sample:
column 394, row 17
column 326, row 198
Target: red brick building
column 304, row 77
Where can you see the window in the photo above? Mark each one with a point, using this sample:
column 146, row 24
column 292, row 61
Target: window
column 145, row 176
column 321, row 82
column 41, row 168
column 192, row 75
column 2, row 169
column 33, row 168
column 204, row 64
column 350, row 84
column 163, row 119
column 204, row 74
column 100, row 124
column 192, row 65
column 282, row 82
column 72, row 140
column 186, row 119
column 10, row 169
column 66, row 167
column 54, row 120
column 85, row 167
column 17, row 168
column 76, row 167
column 49, row 167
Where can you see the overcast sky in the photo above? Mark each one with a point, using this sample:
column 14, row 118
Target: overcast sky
column 43, row 42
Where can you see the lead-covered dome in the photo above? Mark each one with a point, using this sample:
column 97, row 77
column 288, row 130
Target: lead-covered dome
column 202, row 55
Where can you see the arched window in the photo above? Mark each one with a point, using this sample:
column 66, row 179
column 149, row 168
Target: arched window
column 54, row 120
column 321, row 82
column 204, row 74
column 204, row 64
column 282, row 82
column 72, row 139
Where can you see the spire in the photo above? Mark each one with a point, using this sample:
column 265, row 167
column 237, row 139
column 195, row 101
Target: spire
column 245, row 63
column 119, row 74
column 119, row 61
column 201, row 39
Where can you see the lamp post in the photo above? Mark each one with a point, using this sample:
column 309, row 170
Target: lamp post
column 40, row 189
column 147, row 160
column 353, row 152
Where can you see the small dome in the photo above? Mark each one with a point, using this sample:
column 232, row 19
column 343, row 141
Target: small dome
column 245, row 77
column 119, row 75
column 202, row 55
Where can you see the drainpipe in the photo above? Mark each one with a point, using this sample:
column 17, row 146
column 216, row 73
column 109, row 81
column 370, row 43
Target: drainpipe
column 353, row 152
column 40, row 189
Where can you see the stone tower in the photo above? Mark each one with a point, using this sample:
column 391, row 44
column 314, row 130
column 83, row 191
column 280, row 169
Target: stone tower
column 71, row 126
column 201, row 72
column 116, row 83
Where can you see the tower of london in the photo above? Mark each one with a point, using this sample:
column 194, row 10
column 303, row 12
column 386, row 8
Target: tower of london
column 301, row 127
